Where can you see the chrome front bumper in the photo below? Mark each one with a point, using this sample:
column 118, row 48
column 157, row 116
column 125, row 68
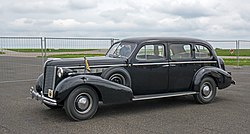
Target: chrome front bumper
column 40, row 97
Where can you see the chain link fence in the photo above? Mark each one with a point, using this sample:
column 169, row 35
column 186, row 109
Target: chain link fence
column 22, row 58
column 16, row 62
column 234, row 52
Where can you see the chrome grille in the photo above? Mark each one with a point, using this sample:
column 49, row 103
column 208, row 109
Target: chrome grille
column 48, row 79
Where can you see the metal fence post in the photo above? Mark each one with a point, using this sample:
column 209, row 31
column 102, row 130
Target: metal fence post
column 112, row 41
column 1, row 46
column 45, row 47
column 42, row 50
column 238, row 47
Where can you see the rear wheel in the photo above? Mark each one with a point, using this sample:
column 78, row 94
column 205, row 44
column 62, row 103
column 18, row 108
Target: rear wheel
column 207, row 91
column 82, row 103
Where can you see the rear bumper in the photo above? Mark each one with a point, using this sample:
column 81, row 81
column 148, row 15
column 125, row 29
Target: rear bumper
column 43, row 99
column 233, row 82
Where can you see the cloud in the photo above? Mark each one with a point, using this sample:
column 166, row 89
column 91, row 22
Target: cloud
column 66, row 23
column 82, row 4
column 117, row 15
column 185, row 9
column 29, row 22
column 197, row 18
column 37, row 6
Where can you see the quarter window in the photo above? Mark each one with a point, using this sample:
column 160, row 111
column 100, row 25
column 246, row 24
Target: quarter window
column 151, row 52
column 180, row 51
column 202, row 52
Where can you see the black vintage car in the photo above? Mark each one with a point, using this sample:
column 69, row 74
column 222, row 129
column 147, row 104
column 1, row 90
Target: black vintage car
column 133, row 69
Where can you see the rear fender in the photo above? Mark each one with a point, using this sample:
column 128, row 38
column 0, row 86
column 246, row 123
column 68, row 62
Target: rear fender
column 222, row 78
column 110, row 92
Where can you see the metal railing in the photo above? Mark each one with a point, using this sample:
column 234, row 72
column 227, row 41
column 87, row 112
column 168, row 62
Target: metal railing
column 232, row 50
column 22, row 58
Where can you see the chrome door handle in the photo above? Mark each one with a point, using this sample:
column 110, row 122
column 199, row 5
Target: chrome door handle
column 165, row 66
column 173, row 65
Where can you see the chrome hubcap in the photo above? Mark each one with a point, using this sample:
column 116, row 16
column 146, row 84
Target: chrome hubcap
column 83, row 103
column 206, row 90
column 117, row 78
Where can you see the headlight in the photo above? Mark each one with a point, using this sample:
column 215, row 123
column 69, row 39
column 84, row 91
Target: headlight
column 60, row 72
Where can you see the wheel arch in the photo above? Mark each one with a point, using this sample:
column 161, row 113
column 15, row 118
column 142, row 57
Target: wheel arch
column 219, row 76
column 107, row 91
column 93, row 87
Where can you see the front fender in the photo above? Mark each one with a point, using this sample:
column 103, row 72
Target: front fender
column 110, row 92
column 222, row 78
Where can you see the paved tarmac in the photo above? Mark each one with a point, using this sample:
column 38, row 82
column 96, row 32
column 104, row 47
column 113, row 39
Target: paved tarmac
column 229, row 113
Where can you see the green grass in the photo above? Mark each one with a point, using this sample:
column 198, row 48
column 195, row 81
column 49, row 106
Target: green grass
column 242, row 62
column 2, row 52
column 73, row 55
column 50, row 50
column 225, row 52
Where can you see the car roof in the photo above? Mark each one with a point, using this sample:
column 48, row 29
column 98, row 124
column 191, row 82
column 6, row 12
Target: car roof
column 139, row 40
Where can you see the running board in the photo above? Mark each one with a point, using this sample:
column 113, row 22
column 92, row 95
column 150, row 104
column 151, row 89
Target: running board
column 165, row 95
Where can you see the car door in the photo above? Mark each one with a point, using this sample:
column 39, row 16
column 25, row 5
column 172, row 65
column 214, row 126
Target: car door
column 149, row 71
column 181, row 69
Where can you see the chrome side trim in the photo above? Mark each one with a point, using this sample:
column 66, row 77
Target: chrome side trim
column 115, row 65
column 96, row 66
column 192, row 62
column 155, row 96
column 142, row 64
column 172, row 63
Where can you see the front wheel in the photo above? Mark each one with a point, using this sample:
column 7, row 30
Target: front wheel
column 207, row 91
column 82, row 103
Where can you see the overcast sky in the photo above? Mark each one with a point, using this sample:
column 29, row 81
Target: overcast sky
column 206, row 19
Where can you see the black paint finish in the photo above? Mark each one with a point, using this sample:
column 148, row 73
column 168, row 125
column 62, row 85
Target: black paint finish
column 222, row 78
column 109, row 92
column 147, row 77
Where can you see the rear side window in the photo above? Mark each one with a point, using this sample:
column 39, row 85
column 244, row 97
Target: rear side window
column 180, row 51
column 151, row 52
column 202, row 52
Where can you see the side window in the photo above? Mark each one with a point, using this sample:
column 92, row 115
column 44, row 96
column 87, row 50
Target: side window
column 151, row 52
column 180, row 51
column 202, row 52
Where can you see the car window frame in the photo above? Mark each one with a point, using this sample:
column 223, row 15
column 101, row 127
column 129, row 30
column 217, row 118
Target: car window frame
column 187, row 43
column 208, row 48
column 152, row 60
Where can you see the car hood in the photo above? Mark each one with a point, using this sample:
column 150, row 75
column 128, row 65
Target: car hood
column 92, row 61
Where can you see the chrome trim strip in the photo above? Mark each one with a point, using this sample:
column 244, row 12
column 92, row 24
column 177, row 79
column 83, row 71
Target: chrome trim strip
column 54, row 78
column 192, row 62
column 96, row 66
column 115, row 65
column 141, row 64
column 147, row 97
column 219, row 63
column 171, row 63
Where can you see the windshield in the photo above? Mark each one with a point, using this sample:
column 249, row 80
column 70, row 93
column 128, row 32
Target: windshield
column 121, row 50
